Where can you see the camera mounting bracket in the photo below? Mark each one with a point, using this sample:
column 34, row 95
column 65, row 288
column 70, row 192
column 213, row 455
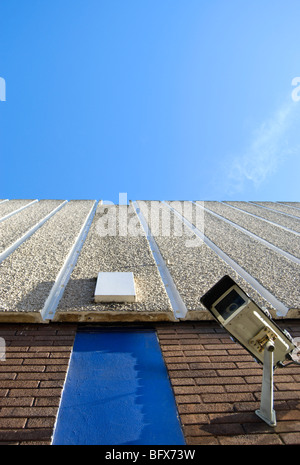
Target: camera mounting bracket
column 261, row 338
column 266, row 411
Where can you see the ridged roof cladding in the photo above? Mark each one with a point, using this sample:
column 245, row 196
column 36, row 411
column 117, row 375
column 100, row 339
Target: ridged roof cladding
column 270, row 255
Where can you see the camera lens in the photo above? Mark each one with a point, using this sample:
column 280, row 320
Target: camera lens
column 231, row 302
column 232, row 307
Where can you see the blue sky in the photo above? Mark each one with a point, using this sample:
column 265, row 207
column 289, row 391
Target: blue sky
column 162, row 99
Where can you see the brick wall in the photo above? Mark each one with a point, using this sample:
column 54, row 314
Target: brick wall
column 31, row 380
column 217, row 386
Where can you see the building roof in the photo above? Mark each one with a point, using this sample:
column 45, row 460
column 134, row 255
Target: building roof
column 51, row 252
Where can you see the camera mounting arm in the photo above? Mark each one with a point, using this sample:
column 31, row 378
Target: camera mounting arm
column 266, row 411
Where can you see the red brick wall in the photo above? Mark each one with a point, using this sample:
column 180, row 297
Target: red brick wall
column 31, row 380
column 217, row 386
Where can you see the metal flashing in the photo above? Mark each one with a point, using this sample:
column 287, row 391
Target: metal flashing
column 177, row 303
column 279, row 306
column 49, row 309
column 29, row 233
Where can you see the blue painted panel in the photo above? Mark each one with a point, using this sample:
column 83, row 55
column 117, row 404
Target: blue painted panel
column 117, row 392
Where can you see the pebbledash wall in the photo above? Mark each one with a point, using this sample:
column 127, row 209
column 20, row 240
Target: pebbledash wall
column 51, row 252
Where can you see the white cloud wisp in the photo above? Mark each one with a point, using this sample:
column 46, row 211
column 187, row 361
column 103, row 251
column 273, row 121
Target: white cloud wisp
column 272, row 144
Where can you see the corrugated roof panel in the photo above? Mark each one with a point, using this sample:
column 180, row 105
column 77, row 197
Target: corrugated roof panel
column 10, row 206
column 283, row 239
column 17, row 225
column 277, row 218
column 292, row 204
column 194, row 269
column 272, row 270
column 280, row 207
column 116, row 242
column 28, row 274
column 108, row 248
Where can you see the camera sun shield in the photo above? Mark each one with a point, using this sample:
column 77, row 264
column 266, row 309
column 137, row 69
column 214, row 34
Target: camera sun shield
column 245, row 321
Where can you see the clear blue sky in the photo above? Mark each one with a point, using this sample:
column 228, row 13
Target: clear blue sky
column 162, row 99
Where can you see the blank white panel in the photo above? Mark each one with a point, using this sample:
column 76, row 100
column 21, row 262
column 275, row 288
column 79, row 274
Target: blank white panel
column 115, row 287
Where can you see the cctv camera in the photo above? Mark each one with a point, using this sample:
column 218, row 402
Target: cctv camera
column 247, row 323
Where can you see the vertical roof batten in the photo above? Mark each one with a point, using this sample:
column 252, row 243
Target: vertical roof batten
column 274, row 210
column 279, row 306
column 17, row 211
column 254, row 236
column 287, row 205
column 261, row 218
column 177, row 303
column 29, row 233
column 49, row 309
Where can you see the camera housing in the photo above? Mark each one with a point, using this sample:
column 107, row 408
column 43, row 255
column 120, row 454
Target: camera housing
column 247, row 323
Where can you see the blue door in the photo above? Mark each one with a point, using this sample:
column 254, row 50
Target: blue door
column 117, row 392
